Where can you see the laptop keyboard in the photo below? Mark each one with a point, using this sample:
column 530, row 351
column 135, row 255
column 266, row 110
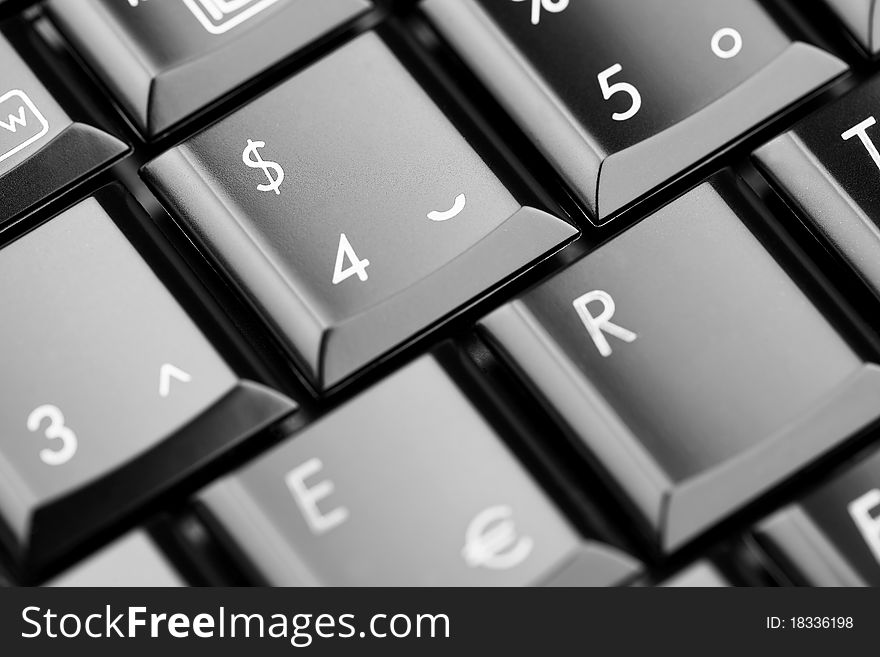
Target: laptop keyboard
column 701, row 86
column 342, row 291
column 439, row 292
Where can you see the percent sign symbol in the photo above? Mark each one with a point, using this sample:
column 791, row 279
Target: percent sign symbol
column 553, row 6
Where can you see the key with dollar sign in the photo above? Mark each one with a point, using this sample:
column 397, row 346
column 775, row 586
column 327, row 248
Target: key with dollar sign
column 252, row 158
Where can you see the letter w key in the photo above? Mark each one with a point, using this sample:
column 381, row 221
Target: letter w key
column 21, row 123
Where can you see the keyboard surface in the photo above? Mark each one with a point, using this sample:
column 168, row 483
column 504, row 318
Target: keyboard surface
column 439, row 293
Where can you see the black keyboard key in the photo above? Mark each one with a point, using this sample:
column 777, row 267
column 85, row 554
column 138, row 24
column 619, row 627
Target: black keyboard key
column 41, row 149
column 165, row 60
column 831, row 537
column 133, row 560
column 622, row 96
column 100, row 367
column 676, row 355
column 9, row 7
column 702, row 574
column 406, row 485
column 861, row 19
column 349, row 210
column 829, row 168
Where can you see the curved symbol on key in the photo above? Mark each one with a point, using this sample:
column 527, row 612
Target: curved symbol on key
column 254, row 160
column 451, row 213
column 491, row 540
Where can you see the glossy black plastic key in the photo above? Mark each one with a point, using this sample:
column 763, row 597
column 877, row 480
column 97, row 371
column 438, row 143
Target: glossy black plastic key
column 166, row 59
column 110, row 391
column 702, row 574
column 861, row 19
column 828, row 167
column 622, row 96
column 676, row 355
column 407, row 485
column 7, row 7
column 133, row 560
column 42, row 150
column 831, row 537
column 349, row 210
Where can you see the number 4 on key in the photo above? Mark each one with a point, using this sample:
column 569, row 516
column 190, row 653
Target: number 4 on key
column 357, row 266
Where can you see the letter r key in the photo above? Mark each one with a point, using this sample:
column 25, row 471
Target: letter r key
column 650, row 414
column 597, row 325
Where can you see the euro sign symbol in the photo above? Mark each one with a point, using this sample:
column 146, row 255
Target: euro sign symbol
column 491, row 540
column 254, row 160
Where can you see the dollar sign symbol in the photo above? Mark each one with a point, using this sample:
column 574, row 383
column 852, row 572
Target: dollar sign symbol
column 252, row 158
